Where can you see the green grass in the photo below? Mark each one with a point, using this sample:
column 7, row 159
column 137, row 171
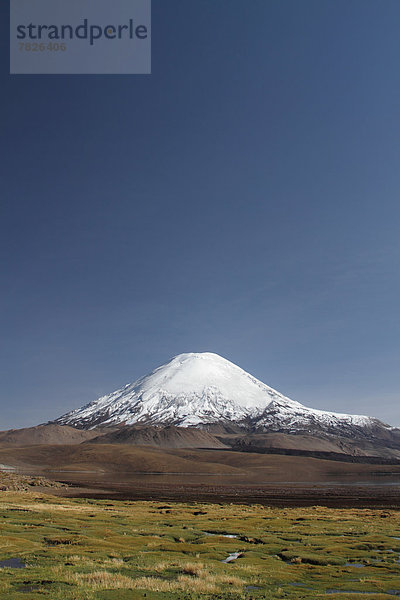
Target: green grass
column 106, row 550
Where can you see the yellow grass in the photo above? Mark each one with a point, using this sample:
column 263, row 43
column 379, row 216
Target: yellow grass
column 198, row 580
column 102, row 580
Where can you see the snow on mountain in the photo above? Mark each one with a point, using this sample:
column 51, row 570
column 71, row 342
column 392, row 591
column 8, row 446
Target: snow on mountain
column 195, row 390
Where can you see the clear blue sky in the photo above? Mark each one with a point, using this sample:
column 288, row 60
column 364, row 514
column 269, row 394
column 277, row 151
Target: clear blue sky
column 243, row 199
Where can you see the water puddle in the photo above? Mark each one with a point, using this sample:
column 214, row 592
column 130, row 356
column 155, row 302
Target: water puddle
column 12, row 563
column 231, row 557
column 28, row 589
column 388, row 593
column 350, row 592
column 302, row 586
column 356, row 565
column 248, row 588
column 231, row 536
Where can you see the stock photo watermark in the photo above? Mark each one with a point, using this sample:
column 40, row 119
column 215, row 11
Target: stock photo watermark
column 80, row 37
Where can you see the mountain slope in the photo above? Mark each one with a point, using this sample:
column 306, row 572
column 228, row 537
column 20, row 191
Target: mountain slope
column 44, row 434
column 160, row 437
column 209, row 392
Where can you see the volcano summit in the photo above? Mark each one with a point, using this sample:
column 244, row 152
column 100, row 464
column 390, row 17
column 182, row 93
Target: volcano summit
column 202, row 390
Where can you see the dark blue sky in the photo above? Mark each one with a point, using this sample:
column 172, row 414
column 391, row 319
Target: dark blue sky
column 243, row 199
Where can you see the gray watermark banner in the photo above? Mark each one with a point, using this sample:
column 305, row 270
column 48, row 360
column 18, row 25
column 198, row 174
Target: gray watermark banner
column 80, row 37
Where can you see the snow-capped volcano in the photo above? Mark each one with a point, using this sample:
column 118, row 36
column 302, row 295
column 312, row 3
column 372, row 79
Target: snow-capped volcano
column 197, row 390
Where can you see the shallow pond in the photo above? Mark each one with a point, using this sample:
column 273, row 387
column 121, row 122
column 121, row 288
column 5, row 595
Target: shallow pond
column 12, row 563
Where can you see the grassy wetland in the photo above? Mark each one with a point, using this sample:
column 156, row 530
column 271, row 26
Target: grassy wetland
column 85, row 549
